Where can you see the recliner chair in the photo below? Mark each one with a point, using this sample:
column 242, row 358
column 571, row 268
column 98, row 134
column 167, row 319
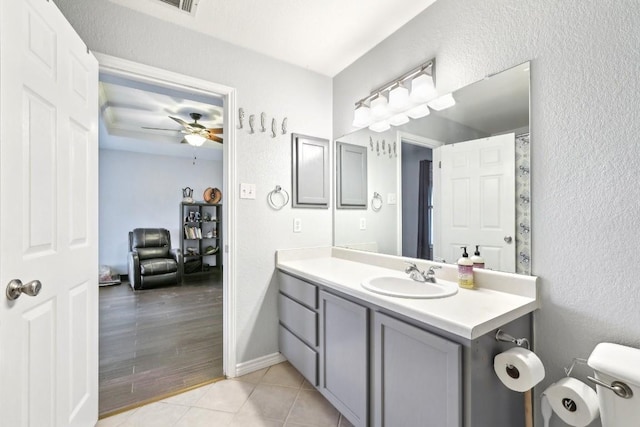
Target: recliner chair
column 152, row 262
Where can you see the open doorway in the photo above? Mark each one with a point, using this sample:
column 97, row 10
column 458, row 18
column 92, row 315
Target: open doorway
column 160, row 340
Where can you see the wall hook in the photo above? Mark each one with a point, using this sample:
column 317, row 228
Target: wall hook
column 273, row 128
column 240, row 118
column 252, row 119
column 284, row 126
column 263, row 119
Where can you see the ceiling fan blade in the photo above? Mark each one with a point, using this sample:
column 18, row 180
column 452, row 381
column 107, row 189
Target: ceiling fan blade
column 215, row 138
column 182, row 122
column 215, row 130
column 172, row 130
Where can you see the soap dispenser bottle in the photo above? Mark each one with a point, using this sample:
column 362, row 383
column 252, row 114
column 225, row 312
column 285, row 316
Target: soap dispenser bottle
column 477, row 260
column 465, row 270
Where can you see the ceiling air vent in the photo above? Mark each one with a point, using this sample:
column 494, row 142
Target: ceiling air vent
column 184, row 5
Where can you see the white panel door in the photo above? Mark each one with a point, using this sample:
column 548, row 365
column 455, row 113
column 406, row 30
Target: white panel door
column 48, row 217
column 477, row 201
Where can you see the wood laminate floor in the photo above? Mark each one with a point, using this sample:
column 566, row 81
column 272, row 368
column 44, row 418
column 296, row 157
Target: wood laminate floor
column 158, row 341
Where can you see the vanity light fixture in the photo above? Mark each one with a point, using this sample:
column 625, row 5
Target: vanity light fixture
column 421, row 110
column 398, row 98
column 195, row 139
column 362, row 116
column 380, row 126
column 422, row 88
column 380, row 113
column 399, row 119
column 442, row 102
column 379, row 108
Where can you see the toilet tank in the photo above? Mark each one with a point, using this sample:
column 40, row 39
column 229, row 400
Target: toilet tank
column 614, row 362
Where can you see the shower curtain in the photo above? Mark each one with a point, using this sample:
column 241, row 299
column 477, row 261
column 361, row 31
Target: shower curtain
column 425, row 210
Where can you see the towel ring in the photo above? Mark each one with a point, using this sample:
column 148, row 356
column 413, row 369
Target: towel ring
column 376, row 202
column 283, row 202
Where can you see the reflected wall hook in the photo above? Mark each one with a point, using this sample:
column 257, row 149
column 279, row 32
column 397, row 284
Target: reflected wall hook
column 284, row 126
column 263, row 119
column 252, row 119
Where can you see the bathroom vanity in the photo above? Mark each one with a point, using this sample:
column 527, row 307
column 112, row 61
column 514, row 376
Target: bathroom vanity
column 389, row 361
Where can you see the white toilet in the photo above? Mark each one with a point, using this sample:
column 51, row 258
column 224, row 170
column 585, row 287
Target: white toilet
column 618, row 366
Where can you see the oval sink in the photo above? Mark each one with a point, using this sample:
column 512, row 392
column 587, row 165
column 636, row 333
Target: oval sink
column 408, row 288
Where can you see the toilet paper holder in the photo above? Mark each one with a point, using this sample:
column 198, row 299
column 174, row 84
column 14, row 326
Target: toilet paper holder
column 618, row 387
column 505, row 337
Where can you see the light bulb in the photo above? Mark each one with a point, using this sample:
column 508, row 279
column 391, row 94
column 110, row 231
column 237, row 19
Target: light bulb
column 399, row 119
column 379, row 108
column 399, row 99
column 418, row 111
column 361, row 116
column 422, row 89
column 195, row 139
column 442, row 102
column 381, row 126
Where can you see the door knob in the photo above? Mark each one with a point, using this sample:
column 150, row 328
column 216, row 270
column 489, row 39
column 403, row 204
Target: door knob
column 508, row 239
column 15, row 288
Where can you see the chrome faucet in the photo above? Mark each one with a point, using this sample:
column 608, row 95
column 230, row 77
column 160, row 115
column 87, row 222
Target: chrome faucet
column 420, row 276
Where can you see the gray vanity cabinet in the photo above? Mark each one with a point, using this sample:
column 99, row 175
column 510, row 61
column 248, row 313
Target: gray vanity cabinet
column 344, row 350
column 298, row 329
column 416, row 376
column 379, row 368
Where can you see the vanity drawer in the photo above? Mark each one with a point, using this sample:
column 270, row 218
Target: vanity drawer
column 299, row 320
column 301, row 356
column 299, row 290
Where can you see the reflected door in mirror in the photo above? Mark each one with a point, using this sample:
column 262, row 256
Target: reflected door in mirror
column 476, row 207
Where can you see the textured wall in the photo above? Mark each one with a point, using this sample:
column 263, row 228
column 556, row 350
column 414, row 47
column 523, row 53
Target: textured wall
column 263, row 84
column 584, row 141
column 133, row 194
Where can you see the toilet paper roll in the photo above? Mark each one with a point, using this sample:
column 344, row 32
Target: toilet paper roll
column 573, row 401
column 519, row 369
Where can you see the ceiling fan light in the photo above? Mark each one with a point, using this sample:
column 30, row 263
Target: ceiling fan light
column 442, row 102
column 380, row 126
column 195, row 139
column 422, row 89
column 399, row 98
column 379, row 108
column 399, row 119
column 361, row 116
column 418, row 111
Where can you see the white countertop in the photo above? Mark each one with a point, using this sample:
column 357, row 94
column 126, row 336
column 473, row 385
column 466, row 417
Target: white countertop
column 499, row 299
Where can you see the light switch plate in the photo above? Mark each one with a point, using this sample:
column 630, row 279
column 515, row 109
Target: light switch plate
column 247, row 191
column 391, row 199
column 363, row 223
column 297, row 225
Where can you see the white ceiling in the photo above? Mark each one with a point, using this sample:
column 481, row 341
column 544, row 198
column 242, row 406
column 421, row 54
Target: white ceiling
column 325, row 36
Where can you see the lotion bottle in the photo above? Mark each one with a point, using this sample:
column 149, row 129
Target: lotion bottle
column 478, row 261
column 465, row 270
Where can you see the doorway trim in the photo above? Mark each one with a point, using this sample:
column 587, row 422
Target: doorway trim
column 414, row 139
column 144, row 73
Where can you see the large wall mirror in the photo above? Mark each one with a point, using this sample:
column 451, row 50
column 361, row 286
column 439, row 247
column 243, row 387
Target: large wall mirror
column 457, row 177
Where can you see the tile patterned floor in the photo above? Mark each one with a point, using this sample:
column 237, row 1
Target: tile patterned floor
column 277, row 396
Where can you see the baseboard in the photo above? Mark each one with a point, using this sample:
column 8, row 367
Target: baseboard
column 259, row 363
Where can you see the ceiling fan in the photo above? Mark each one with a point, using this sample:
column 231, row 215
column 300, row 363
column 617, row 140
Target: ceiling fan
column 195, row 133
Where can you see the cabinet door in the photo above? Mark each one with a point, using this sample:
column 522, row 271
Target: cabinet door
column 310, row 172
column 416, row 376
column 343, row 356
